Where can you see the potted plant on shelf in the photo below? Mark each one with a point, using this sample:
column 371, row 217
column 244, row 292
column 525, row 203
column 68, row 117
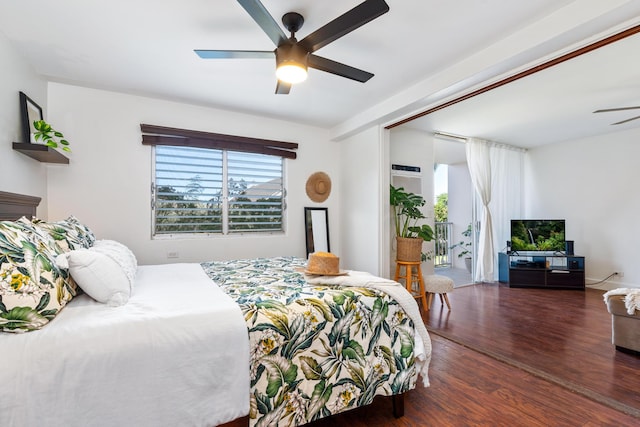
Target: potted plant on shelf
column 465, row 248
column 409, row 235
column 49, row 136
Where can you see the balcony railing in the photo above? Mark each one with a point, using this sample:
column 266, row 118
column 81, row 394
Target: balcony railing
column 442, row 250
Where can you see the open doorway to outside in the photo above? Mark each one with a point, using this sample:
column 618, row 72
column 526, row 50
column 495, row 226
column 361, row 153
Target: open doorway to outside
column 452, row 213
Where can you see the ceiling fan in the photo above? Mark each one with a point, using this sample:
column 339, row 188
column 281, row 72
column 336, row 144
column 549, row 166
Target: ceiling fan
column 606, row 110
column 293, row 56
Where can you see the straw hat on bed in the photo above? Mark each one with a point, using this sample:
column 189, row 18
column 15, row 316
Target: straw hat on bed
column 324, row 264
column 318, row 187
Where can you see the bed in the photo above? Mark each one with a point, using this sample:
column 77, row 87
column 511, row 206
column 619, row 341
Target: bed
column 206, row 344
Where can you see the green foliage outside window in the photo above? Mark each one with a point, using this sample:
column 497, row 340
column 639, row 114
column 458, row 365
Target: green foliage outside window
column 440, row 209
column 183, row 213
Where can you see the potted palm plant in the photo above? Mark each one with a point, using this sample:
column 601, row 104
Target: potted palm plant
column 406, row 214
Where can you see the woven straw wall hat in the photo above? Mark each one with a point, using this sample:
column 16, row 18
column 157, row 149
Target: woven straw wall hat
column 318, row 187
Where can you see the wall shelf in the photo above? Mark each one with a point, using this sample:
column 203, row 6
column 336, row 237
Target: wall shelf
column 41, row 153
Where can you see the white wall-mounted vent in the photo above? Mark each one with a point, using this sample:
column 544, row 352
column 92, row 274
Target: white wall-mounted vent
column 407, row 177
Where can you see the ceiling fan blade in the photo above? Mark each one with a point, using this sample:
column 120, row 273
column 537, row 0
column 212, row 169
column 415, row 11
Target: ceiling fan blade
column 283, row 88
column 625, row 121
column 259, row 14
column 333, row 67
column 233, row 54
column 606, row 110
column 344, row 24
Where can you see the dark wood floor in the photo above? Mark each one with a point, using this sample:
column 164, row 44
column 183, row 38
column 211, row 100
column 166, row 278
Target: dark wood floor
column 561, row 335
column 517, row 357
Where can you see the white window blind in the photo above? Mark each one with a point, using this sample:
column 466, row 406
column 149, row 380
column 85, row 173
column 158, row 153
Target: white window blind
column 201, row 190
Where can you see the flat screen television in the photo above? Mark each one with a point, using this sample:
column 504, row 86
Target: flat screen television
column 538, row 235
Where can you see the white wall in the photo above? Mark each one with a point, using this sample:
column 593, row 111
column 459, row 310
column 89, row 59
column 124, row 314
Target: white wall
column 107, row 183
column 415, row 148
column 360, row 159
column 593, row 184
column 19, row 173
column 459, row 206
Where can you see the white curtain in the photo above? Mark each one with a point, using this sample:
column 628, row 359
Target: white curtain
column 506, row 191
column 479, row 165
column 496, row 172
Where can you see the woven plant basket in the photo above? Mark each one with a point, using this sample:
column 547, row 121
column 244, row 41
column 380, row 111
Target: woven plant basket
column 409, row 249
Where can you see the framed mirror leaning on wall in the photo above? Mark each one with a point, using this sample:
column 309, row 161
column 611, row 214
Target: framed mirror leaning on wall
column 316, row 222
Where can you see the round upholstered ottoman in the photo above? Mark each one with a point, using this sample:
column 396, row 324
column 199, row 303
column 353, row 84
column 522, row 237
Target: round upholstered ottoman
column 436, row 284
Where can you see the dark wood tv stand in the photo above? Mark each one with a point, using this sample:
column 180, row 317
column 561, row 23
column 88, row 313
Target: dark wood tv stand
column 556, row 271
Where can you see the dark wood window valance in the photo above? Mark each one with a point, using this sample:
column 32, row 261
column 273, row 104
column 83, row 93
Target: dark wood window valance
column 161, row 135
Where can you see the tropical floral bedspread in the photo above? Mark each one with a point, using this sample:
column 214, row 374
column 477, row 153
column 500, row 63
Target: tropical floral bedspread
column 316, row 350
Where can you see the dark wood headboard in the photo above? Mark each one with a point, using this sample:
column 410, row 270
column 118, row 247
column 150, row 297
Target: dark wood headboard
column 13, row 206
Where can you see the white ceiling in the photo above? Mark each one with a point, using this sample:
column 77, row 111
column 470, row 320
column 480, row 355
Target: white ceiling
column 146, row 47
column 553, row 105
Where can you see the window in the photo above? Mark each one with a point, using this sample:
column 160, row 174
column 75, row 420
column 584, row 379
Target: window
column 211, row 183
column 217, row 191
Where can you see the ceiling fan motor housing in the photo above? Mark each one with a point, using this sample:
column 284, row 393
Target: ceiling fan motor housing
column 293, row 53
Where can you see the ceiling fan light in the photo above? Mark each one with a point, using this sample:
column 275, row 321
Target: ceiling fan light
column 291, row 72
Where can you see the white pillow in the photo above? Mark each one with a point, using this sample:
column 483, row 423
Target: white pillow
column 106, row 271
column 120, row 254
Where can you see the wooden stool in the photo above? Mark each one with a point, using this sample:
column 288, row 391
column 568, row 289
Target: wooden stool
column 412, row 274
column 440, row 285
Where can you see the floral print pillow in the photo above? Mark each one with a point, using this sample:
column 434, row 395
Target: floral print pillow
column 33, row 289
column 70, row 234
